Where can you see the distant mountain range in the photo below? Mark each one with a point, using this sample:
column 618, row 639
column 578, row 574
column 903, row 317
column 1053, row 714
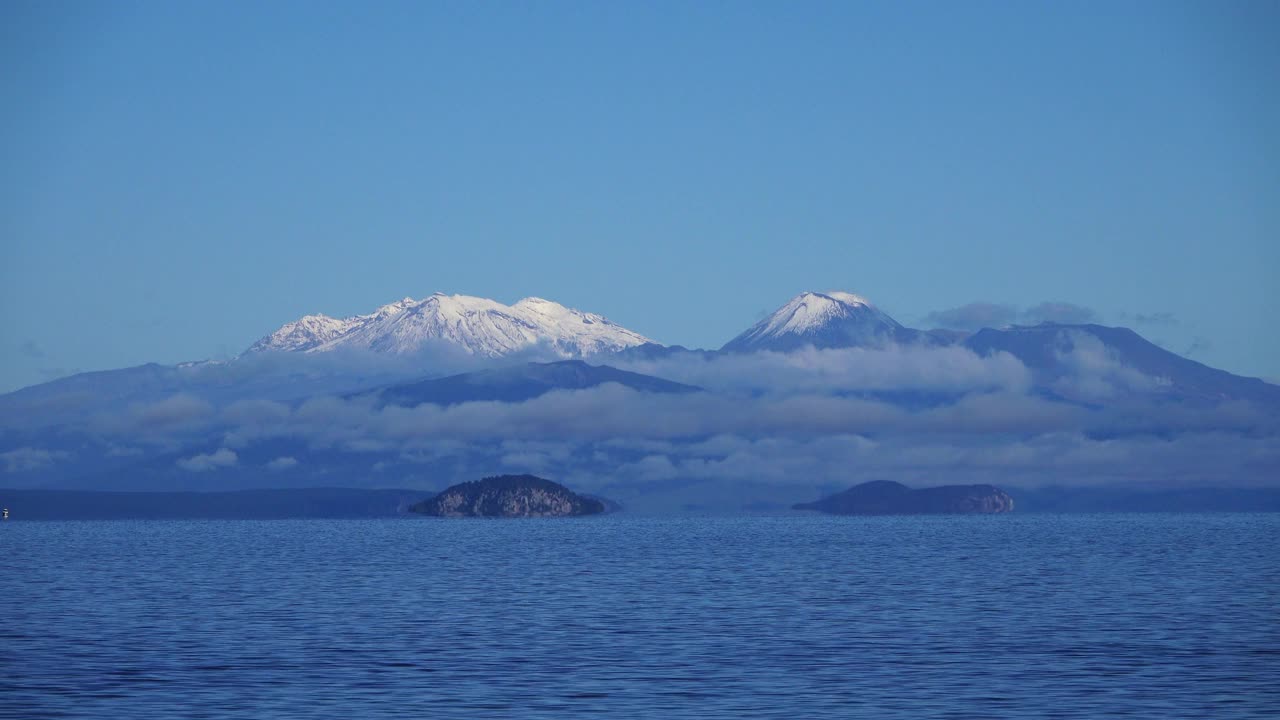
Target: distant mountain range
column 296, row 409
column 487, row 331
column 823, row 320
column 480, row 326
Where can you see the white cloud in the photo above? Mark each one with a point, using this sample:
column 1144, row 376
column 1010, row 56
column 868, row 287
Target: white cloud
column 1095, row 373
column 30, row 458
column 156, row 421
column 951, row 368
column 203, row 462
column 282, row 463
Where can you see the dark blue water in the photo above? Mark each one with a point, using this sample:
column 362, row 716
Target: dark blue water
column 1157, row 616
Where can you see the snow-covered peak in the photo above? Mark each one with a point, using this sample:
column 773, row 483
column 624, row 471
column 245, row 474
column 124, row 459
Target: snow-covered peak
column 545, row 309
column 477, row 325
column 847, row 298
column 303, row 334
column 396, row 307
column 811, row 310
column 830, row 319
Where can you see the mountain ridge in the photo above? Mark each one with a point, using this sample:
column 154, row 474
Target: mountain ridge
column 461, row 333
column 478, row 326
column 522, row 382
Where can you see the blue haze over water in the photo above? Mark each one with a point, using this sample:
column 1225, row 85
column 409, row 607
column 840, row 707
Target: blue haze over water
column 1154, row 616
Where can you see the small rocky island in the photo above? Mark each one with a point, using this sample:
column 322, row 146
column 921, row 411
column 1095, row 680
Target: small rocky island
column 508, row 496
column 882, row 497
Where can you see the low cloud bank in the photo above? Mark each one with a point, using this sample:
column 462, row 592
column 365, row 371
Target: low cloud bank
column 617, row 434
column 1092, row 372
column 813, row 417
column 897, row 368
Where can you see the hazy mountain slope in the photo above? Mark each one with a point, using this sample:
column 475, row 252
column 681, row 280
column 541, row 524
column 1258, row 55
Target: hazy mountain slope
column 1054, row 351
column 521, row 383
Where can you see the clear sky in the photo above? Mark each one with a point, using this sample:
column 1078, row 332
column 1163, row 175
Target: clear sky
column 178, row 179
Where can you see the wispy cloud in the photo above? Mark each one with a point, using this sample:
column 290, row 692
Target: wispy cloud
column 30, row 458
column 1155, row 318
column 204, row 462
column 1094, row 373
column 283, row 462
column 31, row 349
column 973, row 316
column 981, row 314
column 1058, row 312
column 1198, row 346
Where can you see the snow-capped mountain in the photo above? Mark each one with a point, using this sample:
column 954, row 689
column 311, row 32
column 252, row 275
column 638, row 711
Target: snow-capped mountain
column 824, row 320
column 476, row 325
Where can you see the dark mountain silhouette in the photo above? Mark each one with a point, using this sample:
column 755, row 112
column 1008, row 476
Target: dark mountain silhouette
column 524, row 382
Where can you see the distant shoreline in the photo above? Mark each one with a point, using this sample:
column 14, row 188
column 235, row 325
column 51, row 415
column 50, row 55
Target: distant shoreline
column 270, row 504
column 357, row 503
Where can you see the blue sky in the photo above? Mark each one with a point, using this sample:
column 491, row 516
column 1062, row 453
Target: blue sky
column 178, row 179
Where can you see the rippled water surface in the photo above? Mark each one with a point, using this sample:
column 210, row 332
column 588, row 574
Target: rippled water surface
column 1155, row 616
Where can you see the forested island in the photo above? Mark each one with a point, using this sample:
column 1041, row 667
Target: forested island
column 882, row 497
column 509, row 496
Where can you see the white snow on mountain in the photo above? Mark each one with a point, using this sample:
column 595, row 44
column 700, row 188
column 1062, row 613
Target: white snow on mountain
column 477, row 325
column 830, row 319
column 304, row 334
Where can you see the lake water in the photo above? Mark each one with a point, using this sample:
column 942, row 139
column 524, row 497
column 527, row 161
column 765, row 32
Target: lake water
column 1070, row 616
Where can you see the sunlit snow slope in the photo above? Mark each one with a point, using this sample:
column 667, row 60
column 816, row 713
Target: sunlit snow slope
column 477, row 325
